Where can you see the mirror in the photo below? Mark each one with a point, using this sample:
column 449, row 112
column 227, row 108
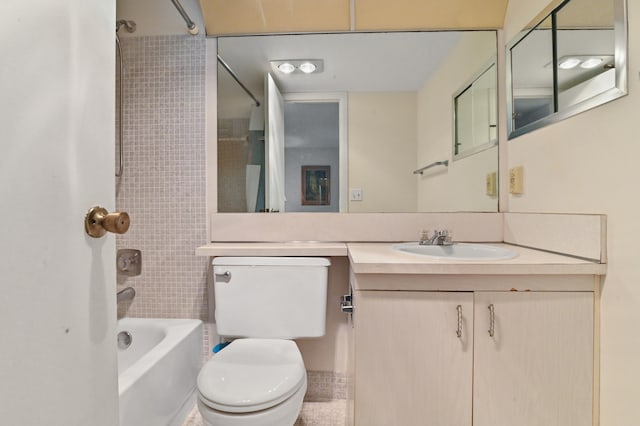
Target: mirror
column 571, row 61
column 377, row 109
column 475, row 113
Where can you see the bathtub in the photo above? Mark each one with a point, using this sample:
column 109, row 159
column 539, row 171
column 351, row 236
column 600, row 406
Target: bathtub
column 157, row 372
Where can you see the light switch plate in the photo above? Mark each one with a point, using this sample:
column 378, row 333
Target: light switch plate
column 516, row 178
column 492, row 184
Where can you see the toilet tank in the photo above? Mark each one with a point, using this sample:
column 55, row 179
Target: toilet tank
column 270, row 297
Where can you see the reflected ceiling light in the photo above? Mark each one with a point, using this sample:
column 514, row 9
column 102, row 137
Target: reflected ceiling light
column 298, row 66
column 286, row 68
column 568, row 63
column 307, row 67
column 591, row 63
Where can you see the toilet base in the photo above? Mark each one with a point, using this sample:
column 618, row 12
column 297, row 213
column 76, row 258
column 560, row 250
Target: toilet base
column 283, row 414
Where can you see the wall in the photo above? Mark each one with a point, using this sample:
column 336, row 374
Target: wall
column 588, row 163
column 163, row 184
column 382, row 130
column 460, row 186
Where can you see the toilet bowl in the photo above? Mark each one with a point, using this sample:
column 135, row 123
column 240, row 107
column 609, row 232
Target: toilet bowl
column 259, row 379
column 253, row 382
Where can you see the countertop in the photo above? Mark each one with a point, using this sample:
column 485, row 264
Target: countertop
column 381, row 258
column 289, row 248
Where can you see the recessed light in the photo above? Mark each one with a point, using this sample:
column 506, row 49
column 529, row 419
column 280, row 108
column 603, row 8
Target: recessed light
column 286, row 68
column 591, row 63
column 298, row 66
column 307, row 67
column 568, row 63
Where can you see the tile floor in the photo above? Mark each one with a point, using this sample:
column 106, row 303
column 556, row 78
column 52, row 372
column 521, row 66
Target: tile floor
column 329, row 413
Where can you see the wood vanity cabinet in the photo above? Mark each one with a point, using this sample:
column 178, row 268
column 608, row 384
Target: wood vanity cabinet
column 411, row 368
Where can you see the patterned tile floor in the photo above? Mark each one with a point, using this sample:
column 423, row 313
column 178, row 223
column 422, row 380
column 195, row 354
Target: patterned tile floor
column 329, row 413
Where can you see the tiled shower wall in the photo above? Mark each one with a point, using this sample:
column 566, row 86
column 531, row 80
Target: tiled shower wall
column 163, row 184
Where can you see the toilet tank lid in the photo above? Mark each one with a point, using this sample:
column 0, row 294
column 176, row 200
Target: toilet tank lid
column 271, row 261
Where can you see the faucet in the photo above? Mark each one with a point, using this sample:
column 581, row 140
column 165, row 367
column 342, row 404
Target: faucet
column 128, row 293
column 438, row 238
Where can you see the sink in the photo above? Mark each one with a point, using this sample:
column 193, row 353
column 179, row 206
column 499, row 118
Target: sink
column 458, row 251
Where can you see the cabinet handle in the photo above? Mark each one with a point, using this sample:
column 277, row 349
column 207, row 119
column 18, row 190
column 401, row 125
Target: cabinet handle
column 492, row 320
column 459, row 330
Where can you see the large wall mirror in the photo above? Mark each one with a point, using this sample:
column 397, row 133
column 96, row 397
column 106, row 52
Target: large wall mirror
column 570, row 61
column 363, row 111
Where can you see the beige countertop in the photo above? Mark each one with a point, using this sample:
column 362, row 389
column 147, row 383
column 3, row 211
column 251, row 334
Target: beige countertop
column 290, row 248
column 381, row 258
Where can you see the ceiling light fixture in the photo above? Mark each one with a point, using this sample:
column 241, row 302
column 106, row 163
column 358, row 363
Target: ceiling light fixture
column 568, row 63
column 286, row 68
column 307, row 67
column 298, row 66
column 591, row 63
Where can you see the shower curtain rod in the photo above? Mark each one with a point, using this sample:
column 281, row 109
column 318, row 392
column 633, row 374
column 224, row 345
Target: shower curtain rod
column 193, row 28
column 235, row 77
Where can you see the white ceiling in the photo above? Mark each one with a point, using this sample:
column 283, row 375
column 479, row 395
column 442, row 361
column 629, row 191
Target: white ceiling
column 400, row 61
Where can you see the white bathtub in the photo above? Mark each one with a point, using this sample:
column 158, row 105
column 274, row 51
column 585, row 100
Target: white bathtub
column 157, row 372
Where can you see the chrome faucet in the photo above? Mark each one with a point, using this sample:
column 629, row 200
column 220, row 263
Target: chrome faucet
column 127, row 293
column 438, row 238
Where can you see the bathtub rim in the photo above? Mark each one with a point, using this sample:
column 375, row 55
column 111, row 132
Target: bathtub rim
column 176, row 331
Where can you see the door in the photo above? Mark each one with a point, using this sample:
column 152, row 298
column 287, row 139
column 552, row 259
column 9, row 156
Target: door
column 57, row 306
column 537, row 368
column 274, row 161
column 411, row 368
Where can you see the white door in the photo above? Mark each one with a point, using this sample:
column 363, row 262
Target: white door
column 274, row 152
column 411, row 366
column 57, row 294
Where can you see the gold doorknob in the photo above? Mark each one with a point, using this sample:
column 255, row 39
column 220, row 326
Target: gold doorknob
column 98, row 221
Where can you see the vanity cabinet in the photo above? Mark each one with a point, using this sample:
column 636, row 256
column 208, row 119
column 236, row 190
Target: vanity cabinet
column 523, row 357
column 410, row 366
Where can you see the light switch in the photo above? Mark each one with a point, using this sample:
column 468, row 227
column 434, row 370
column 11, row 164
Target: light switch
column 356, row 194
column 492, row 188
column 516, row 177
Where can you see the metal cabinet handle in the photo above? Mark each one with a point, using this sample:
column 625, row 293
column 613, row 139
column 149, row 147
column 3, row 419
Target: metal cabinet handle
column 459, row 330
column 492, row 320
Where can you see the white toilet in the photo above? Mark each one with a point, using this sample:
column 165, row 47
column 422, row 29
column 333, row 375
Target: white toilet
column 259, row 379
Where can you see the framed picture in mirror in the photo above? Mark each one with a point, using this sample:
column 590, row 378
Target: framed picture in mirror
column 316, row 182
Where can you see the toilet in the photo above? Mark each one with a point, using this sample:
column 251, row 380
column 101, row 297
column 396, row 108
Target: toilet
column 261, row 304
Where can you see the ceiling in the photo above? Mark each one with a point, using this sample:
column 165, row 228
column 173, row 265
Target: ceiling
column 352, row 62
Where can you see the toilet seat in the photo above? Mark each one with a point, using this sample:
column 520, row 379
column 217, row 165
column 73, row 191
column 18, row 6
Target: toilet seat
column 251, row 375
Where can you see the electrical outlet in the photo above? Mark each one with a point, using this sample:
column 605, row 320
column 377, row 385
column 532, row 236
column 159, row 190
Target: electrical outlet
column 492, row 184
column 356, row 194
column 516, row 177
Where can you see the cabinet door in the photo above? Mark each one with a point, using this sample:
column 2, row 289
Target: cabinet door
column 537, row 368
column 411, row 368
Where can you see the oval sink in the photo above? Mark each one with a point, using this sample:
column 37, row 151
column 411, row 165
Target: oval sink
column 458, row 251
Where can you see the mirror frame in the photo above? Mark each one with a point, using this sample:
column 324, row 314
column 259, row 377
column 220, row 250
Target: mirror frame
column 493, row 62
column 619, row 90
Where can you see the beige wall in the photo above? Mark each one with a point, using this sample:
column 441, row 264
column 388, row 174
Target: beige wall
column 461, row 186
column 589, row 163
column 382, row 149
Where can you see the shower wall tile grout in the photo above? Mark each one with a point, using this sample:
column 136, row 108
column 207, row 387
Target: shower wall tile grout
column 163, row 184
